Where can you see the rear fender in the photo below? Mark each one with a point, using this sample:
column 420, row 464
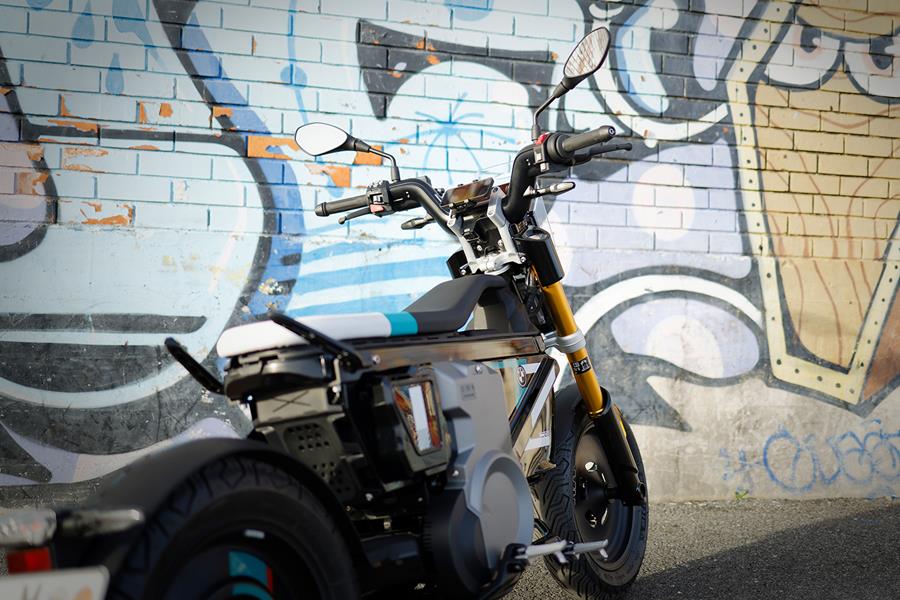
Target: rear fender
column 148, row 482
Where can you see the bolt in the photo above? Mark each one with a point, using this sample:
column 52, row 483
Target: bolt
column 387, row 524
column 369, row 497
column 376, row 359
column 590, row 467
column 455, row 473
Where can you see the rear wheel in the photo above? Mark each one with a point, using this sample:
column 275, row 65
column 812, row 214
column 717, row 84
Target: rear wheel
column 575, row 506
column 239, row 528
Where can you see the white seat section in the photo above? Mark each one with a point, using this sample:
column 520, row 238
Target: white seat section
column 264, row 335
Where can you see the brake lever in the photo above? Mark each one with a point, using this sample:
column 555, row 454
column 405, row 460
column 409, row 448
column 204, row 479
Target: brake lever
column 360, row 212
column 610, row 148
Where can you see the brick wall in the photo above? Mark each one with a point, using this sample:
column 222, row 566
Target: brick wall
column 735, row 273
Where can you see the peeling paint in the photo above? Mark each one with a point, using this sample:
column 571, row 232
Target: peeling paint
column 79, row 125
column 27, row 183
column 260, row 146
column 4, row 91
column 165, row 110
column 367, row 158
column 270, row 287
column 34, row 153
column 84, row 152
column 63, row 109
column 432, row 59
column 222, row 111
column 121, row 220
column 77, row 167
column 142, row 113
column 340, row 175
column 144, row 147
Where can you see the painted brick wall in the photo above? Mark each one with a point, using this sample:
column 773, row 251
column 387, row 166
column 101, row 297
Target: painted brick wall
column 735, row 273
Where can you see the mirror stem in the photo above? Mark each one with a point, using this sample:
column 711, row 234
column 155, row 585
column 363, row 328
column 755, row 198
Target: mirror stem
column 395, row 172
column 558, row 91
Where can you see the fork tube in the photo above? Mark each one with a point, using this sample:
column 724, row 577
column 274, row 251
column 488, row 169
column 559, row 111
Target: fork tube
column 579, row 361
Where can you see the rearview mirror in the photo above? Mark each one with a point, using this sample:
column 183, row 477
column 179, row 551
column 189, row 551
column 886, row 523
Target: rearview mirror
column 587, row 56
column 317, row 139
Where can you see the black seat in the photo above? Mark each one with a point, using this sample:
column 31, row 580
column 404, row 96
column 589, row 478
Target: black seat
column 447, row 306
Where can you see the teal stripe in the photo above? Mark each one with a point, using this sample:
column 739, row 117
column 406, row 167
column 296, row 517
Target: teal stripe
column 402, row 323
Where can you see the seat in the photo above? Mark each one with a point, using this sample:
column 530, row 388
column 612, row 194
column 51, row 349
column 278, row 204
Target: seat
column 444, row 308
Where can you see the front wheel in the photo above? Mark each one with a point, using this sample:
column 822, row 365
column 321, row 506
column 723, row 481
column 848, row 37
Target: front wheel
column 573, row 502
column 238, row 528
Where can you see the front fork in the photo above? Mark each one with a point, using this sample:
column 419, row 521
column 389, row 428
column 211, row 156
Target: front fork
column 538, row 247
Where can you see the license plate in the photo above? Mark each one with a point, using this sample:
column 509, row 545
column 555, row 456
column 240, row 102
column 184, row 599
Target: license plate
column 67, row 584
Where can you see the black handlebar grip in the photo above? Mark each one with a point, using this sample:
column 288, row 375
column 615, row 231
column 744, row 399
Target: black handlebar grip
column 342, row 205
column 587, row 139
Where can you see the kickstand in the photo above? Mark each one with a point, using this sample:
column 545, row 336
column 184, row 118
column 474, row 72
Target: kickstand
column 516, row 557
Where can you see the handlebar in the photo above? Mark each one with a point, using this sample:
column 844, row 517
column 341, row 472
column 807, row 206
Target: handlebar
column 560, row 151
column 344, row 204
column 575, row 143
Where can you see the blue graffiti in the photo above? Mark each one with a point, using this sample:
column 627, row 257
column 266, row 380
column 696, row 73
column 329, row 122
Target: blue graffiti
column 454, row 127
column 868, row 459
column 83, row 29
column 115, row 82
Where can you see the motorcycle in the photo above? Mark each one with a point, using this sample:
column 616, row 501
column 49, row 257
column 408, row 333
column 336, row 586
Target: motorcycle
column 420, row 453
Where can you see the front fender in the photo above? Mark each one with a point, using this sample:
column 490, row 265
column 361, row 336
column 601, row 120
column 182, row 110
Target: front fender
column 147, row 483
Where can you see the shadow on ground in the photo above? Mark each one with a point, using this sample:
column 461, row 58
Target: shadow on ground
column 762, row 550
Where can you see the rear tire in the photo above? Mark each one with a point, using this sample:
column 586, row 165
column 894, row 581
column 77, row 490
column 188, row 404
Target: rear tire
column 238, row 528
column 572, row 504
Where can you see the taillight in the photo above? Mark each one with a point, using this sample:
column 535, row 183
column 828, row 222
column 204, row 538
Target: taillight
column 30, row 560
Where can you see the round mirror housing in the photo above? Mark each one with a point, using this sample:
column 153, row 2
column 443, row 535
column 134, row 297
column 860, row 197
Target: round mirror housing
column 586, row 58
column 317, row 139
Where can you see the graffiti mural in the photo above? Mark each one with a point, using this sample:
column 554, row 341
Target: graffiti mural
column 740, row 262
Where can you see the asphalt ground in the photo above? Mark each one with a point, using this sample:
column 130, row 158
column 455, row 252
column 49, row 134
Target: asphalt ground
column 759, row 550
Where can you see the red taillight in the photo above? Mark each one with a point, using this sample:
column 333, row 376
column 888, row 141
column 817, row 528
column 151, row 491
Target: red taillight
column 27, row 561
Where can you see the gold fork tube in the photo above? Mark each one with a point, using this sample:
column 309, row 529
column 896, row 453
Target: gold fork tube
column 579, row 361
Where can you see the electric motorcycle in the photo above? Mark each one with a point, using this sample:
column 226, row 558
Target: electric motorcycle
column 420, row 453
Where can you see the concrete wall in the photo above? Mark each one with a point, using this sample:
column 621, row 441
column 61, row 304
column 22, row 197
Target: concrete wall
column 736, row 274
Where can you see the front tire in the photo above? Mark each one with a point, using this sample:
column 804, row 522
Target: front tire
column 238, row 528
column 572, row 503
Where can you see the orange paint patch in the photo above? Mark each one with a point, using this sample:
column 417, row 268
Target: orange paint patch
column 114, row 220
column 79, row 125
column 340, row 175
column 222, row 111
column 260, row 146
column 366, row 158
column 253, row 45
column 554, row 56
column 63, row 109
column 4, row 91
column 84, row 152
column 165, row 109
column 27, row 183
column 403, row 141
column 75, row 167
column 421, row 44
column 432, row 59
column 120, row 219
column 142, row 113
column 34, row 153
column 144, row 147
column 396, row 74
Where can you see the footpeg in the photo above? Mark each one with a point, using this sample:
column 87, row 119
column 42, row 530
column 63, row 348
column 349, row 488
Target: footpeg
column 564, row 551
